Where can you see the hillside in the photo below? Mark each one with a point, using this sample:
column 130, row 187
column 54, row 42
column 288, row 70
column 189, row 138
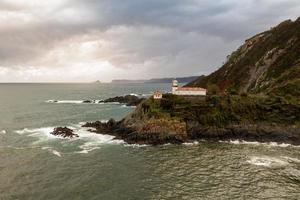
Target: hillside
column 267, row 63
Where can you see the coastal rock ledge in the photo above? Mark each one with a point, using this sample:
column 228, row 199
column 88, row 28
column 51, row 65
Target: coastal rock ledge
column 158, row 132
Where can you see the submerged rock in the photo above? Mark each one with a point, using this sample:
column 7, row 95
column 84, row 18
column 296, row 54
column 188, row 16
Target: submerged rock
column 64, row 132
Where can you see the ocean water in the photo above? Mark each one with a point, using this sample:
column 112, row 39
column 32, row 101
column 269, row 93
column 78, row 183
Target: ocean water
column 36, row 165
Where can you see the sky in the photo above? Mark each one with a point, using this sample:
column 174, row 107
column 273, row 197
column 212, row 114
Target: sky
column 89, row 40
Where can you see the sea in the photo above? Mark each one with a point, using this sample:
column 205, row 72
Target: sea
column 37, row 165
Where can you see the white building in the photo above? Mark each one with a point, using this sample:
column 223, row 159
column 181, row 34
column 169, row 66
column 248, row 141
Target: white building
column 187, row 91
column 157, row 95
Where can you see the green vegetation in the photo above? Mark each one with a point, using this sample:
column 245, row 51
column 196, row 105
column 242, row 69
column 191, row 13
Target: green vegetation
column 220, row 111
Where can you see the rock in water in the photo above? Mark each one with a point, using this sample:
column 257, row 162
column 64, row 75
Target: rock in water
column 64, row 132
column 129, row 100
column 87, row 101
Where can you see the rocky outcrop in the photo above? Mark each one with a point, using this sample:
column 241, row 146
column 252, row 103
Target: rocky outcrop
column 152, row 123
column 159, row 132
column 64, row 132
column 129, row 100
column 139, row 128
column 154, row 132
column 250, row 132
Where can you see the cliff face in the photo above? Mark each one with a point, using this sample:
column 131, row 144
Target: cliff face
column 266, row 63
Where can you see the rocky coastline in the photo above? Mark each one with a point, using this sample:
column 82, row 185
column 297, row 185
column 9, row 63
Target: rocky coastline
column 178, row 120
column 251, row 133
column 128, row 100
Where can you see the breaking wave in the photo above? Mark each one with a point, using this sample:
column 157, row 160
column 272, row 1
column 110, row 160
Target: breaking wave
column 86, row 142
column 141, row 95
column 191, row 143
column 81, row 102
column 136, row 145
column 267, row 161
column 270, row 144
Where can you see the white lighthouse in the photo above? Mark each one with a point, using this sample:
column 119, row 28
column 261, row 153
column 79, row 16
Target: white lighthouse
column 174, row 85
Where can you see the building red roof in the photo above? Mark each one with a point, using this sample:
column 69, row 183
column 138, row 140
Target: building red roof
column 190, row 89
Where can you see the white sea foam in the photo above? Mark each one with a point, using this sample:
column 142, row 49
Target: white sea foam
column 3, row 132
column 136, row 145
column 65, row 101
column 291, row 159
column 267, row 161
column 91, row 140
column 134, row 94
column 125, row 106
column 140, row 95
column 275, row 144
column 95, row 101
column 94, row 141
column 45, row 148
column 56, row 153
column 269, row 144
column 49, row 149
column 191, row 143
column 243, row 142
column 41, row 133
column 23, row 131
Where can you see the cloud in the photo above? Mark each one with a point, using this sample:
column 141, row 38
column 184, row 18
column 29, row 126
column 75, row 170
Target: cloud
column 134, row 38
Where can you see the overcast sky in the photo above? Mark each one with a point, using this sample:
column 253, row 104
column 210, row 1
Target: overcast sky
column 87, row 40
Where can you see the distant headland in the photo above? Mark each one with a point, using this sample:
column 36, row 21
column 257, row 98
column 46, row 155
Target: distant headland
column 157, row 80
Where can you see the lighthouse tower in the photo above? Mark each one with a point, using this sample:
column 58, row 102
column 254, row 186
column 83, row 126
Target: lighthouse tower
column 174, row 86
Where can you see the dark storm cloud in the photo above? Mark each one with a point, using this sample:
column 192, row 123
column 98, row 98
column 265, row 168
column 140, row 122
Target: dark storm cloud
column 164, row 37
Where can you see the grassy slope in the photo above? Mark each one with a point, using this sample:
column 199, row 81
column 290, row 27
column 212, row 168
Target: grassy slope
column 224, row 110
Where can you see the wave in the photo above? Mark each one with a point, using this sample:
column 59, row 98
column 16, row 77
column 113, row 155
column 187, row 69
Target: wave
column 54, row 152
column 270, row 144
column 41, row 133
column 80, row 102
column 267, row 161
column 89, row 141
column 291, row 159
column 191, row 143
column 140, row 95
column 125, row 106
column 3, row 132
column 136, row 145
